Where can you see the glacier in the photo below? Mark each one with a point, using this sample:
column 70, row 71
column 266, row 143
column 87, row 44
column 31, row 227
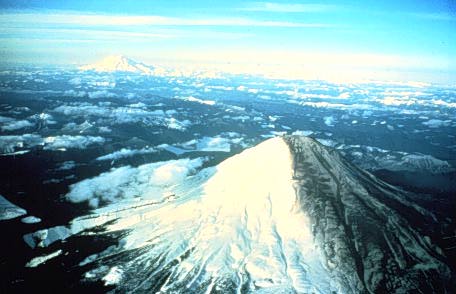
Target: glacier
column 286, row 216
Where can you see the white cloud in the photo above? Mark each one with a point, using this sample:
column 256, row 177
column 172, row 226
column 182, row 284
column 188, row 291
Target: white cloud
column 73, row 93
column 302, row 133
column 101, row 94
column 17, row 125
column 193, row 99
column 9, row 144
column 207, row 144
column 4, row 119
column 440, row 16
column 65, row 141
column 437, row 123
column 75, row 127
column 440, row 102
column 287, row 7
column 329, row 121
column 214, row 144
column 397, row 101
column 173, row 123
column 122, row 115
column 126, row 152
column 119, row 20
column 127, row 182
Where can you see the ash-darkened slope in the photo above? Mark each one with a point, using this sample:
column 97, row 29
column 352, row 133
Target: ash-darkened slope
column 372, row 237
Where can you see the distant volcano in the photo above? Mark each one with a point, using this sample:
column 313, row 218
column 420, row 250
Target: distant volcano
column 118, row 63
column 287, row 216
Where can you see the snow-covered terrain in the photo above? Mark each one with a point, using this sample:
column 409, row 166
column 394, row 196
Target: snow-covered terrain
column 100, row 165
column 118, row 63
column 288, row 215
column 8, row 210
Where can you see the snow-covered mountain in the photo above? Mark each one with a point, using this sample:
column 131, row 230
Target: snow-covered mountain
column 118, row 63
column 287, row 216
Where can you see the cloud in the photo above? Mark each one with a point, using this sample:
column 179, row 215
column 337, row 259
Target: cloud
column 434, row 16
column 16, row 125
column 65, row 141
column 9, row 144
column 123, row 115
column 287, row 7
column 127, row 182
column 201, row 101
column 101, row 94
column 437, row 123
column 329, row 121
column 126, row 152
column 87, row 20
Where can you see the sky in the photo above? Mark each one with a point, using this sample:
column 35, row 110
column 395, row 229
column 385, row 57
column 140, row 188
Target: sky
column 405, row 40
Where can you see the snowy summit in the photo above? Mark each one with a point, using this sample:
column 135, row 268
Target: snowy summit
column 118, row 63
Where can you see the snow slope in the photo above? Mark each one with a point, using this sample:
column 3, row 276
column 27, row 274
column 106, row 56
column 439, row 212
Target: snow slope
column 286, row 216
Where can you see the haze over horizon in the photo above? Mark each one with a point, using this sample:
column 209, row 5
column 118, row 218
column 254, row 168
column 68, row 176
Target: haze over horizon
column 390, row 40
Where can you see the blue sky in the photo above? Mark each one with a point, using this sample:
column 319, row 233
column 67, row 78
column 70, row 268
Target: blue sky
column 415, row 38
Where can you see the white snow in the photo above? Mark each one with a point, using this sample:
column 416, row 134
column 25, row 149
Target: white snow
column 45, row 237
column 236, row 220
column 31, row 220
column 113, row 277
column 42, row 259
column 8, row 210
column 374, row 158
column 118, row 63
column 327, row 142
column 173, row 149
column 67, row 165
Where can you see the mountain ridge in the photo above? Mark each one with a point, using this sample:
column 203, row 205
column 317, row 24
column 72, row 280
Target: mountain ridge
column 286, row 216
column 365, row 230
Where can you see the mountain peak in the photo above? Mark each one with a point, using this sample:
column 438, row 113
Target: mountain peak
column 286, row 216
column 118, row 63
